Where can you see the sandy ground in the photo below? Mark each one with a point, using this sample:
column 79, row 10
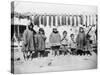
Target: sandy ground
column 58, row 63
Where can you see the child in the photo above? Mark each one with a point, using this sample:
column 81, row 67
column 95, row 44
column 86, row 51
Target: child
column 72, row 44
column 81, row 40
column 40, row 42
column 64, row 42
column 55, row 39
column 28, row 44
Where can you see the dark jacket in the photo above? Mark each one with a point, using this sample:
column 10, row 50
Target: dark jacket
column 40, row 41
column 29, row 41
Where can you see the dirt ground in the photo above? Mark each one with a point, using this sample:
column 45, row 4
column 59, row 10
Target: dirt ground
column 51, row 63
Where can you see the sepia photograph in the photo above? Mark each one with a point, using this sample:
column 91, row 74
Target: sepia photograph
column 49, row 37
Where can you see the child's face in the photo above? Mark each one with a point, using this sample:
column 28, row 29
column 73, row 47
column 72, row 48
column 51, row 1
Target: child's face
column 65, row 34
column 54, row 30
column 72, row 37
column 31, row 27
column 41, row 32
column 81, row 30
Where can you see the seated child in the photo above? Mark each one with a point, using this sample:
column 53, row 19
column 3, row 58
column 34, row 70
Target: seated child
column 72, row 44
column 64, row 42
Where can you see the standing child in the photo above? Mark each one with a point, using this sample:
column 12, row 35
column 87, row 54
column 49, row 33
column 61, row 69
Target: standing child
column 81, row 40
column 40, row 42
column 55, row 39
column 28, row 44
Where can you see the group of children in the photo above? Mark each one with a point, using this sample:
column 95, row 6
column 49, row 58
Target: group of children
column 33, row 42
column 36, row 42
column 62, row 45
column 81, row 45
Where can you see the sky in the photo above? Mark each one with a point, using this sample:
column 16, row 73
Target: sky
column 51, row 8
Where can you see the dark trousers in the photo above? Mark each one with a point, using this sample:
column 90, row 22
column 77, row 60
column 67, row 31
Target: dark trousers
column 41, row 53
